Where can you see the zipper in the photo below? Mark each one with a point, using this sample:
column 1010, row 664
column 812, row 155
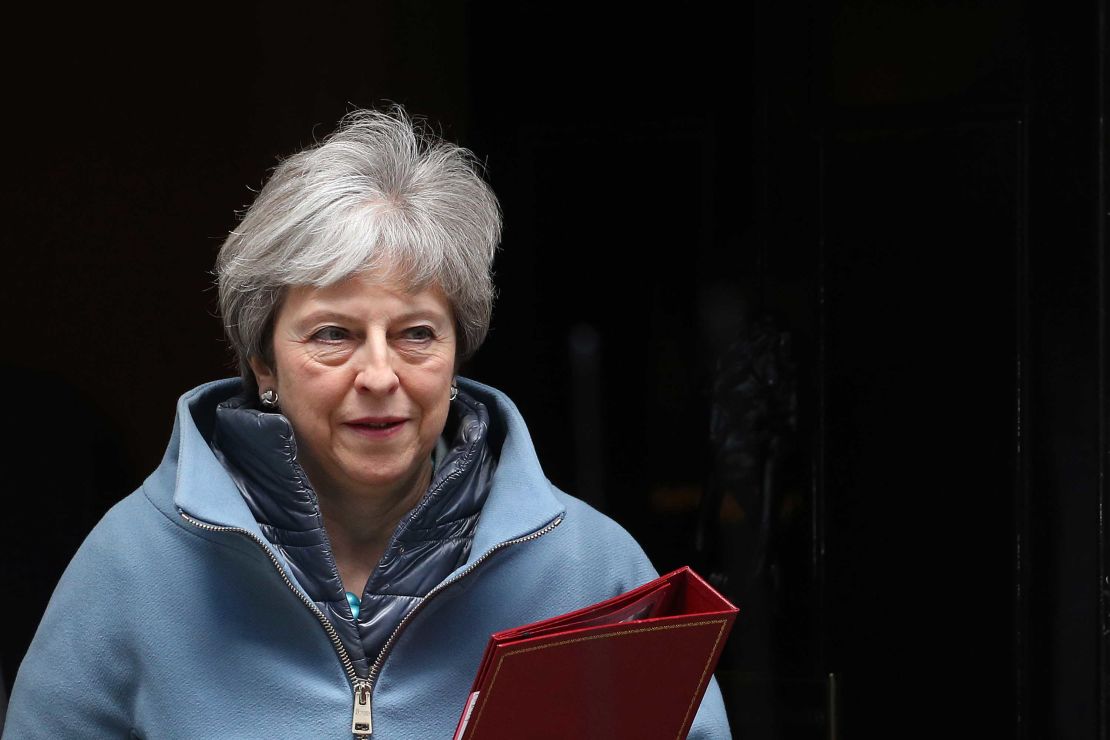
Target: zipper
column 361, row 716
column 362, row 721
column 361, row 725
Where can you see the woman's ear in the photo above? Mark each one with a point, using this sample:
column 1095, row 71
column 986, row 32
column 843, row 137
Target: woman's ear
column 264, row 377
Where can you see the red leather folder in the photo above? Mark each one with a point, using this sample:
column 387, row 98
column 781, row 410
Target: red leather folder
column 634, row 666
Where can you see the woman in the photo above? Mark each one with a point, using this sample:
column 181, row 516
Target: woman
column 335, row 534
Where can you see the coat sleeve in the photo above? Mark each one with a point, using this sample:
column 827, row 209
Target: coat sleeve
column 78, row 677
column 711, row 722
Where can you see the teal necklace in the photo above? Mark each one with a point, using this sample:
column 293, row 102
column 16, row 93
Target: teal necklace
column 355, row 603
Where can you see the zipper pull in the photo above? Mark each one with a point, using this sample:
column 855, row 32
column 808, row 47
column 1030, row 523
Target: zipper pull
column 361, row 724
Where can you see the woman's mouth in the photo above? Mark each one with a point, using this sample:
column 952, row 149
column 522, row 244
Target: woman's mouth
column 376, row 428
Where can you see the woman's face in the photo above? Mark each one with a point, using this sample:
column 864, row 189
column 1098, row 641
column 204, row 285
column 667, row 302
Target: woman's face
column 363, row 372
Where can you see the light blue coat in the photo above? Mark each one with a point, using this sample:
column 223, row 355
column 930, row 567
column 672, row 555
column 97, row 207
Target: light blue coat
column 167, row 625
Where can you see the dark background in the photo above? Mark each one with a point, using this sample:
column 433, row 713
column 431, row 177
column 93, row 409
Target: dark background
column 811, row 296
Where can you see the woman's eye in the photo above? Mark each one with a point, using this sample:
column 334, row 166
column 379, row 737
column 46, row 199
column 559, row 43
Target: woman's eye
column 420, row 333
column 330, row 334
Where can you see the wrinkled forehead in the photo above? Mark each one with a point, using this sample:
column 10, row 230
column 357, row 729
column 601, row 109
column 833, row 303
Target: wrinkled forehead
column 399, row 274
column 395, row 289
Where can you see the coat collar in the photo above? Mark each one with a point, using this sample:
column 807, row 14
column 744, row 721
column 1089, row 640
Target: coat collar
column 520, row 501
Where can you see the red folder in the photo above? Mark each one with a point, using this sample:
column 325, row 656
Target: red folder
column 634, row 666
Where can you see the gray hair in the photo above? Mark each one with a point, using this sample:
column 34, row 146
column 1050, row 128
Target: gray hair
column 382, row 193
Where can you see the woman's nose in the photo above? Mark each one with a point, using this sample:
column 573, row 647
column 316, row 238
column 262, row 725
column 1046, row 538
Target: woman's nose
column 376, row 372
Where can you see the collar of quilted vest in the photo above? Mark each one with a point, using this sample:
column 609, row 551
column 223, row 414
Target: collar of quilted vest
column 259, row 451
